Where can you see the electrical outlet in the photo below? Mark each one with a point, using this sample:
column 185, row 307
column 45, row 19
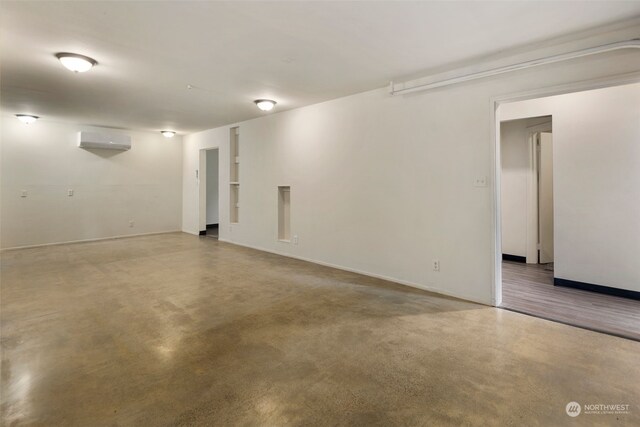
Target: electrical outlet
column 436, row 265
column 131, row 223
column 295, row 240
column 69, row 192
column 23, row 193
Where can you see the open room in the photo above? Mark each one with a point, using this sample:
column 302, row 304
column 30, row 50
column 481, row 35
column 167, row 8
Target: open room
column 567, row 164
column 319, row 213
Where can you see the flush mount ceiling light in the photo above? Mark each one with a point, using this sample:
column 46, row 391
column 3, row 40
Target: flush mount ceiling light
column 27, row 118
column 76, row 63
column 168, row 133
column 265, row 104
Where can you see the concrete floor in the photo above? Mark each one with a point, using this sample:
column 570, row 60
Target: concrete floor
column 178, row 330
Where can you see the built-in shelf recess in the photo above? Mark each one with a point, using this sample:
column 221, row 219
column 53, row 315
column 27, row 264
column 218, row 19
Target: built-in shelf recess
column 284, row 213
column 234, row 175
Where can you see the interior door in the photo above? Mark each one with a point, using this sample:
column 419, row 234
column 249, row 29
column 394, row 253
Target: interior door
column 545, row 197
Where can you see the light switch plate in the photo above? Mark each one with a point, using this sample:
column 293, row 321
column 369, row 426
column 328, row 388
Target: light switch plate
column 480, row 181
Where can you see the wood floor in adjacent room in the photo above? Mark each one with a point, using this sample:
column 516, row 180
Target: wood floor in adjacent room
column 176, row 329
column 528, row 288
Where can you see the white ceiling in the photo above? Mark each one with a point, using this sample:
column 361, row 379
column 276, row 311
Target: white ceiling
column 297, row 53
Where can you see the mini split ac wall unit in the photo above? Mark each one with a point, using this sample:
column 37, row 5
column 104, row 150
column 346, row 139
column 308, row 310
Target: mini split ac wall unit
column 105, row 141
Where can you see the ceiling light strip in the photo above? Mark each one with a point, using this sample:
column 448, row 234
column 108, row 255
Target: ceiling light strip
column 627, row 44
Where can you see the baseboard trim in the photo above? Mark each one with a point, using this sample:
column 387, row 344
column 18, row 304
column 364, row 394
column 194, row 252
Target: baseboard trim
column 364, row 273
column 514, row 258
column 98, row 239
column 625, row 293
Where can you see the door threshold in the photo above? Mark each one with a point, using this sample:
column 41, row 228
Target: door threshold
column 601, row 331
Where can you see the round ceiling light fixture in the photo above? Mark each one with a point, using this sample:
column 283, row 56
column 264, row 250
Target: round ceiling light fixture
column 75, row 62
column 27, row 118
column 265, row 104
column 168, row 133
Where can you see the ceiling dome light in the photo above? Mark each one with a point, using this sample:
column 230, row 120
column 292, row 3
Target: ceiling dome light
column 27, row 118
column 76, row 63
column 265, row 104
column 168, row 133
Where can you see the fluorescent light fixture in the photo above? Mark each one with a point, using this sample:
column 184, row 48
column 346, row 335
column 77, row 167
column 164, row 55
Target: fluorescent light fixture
column 265, row 104
column 27, row 118
column 168, row 133
column 76, row 63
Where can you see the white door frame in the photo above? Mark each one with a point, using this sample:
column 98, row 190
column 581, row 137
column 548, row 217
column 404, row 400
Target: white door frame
column 202, row 186
column 544, row 150
column 532, row 191
column 495, row 102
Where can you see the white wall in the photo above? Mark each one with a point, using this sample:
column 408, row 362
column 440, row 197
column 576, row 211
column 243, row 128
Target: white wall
column 212, row 187
column 110, row 188
column 596, row 149
column 383, row 184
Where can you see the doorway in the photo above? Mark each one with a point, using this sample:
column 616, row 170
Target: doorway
column 563, row 163
column 209, row 182
column 527, row 190
column 526, row 150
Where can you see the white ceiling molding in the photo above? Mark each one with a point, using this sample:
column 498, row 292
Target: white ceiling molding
column 627, row 44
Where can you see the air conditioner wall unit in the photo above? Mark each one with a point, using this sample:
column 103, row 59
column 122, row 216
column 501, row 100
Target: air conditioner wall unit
column 105, row 141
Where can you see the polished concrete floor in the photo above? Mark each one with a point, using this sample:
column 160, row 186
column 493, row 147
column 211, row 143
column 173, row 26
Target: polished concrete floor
column 178, row 330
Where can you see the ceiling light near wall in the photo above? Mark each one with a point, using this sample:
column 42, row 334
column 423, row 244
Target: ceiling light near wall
column 265, row 104
column 168, row 133
column 27, row 118
column 76, row 63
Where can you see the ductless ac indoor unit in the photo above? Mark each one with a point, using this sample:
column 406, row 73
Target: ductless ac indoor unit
column 105, row 141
